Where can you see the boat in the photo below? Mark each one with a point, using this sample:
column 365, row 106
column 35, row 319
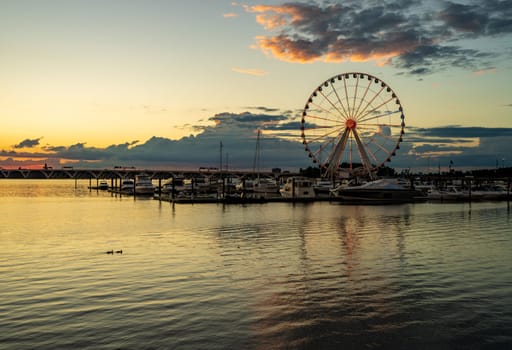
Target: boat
column 264, row 187
column 455, row 194
column 127, row 185
column 103, row 185
column 322, row 187
column 144, row 185
column 174, row 185
column 261, row 186
column 381, row 191
column 298, row 187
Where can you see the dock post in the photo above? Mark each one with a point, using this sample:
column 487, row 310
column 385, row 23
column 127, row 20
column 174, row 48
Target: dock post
column 134, row 194
column 508, row 194
column 173, row 188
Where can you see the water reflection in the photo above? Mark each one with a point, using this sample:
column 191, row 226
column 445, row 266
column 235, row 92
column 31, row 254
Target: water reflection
column 255, row 277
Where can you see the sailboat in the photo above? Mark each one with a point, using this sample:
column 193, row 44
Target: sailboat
column 261, row 186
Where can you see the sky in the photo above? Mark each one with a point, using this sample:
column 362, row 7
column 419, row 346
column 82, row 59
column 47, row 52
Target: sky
column 162, row 84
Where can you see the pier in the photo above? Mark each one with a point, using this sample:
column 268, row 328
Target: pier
column 114, row 173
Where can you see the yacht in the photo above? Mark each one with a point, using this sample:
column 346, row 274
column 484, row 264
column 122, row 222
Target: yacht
column 298, row 187
column 323, row 187
column 144, row 185
column 127, row 185
column 379, row 191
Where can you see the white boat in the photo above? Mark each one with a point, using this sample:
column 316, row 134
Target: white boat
column 298, row 187
column 103, row 185
column 175, row 183
column 127, row 185
column 261, row 186
column 379, row 191
column 144, row 185
column 450, row 193
column 265, row 186
column 454, row 193
column 323, row 187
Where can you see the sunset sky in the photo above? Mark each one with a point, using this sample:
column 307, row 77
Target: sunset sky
column 160, row 84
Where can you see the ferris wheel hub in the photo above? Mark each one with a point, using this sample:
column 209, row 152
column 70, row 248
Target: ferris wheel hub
column 351, row 124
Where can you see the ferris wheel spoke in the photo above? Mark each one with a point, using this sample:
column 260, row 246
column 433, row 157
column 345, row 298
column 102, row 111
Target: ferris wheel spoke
column 369, row 103
column 374, row 109
column 387, row 137
column 364, row 97
column 355, row 94
column 371, row 132
column 323, row 147
column 323, row 118
column 328, row 112
column 346, row 114
column 382, row 148
column 346, row 96
column 323, row 136
column 367, row 125
column 334, row 106
column 385, row 114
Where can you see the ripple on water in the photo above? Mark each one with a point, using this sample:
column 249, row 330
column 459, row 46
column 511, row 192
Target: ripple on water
column 269, row 276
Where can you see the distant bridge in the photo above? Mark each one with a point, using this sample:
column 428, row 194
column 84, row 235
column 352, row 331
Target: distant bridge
column 114, row 173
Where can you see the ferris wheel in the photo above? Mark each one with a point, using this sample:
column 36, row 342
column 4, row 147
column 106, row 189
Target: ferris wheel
column 352, row 124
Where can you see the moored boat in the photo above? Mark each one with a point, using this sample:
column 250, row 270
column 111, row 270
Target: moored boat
column 127, row 185
column 144, row 185
column 381, row 191
column 298, row 187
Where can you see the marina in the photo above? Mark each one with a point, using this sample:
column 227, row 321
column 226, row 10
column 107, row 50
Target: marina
column 212, row 186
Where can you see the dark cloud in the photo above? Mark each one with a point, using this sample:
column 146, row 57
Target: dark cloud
column 426, row 59
column 263, row 109
column 236, row 131
column 462, row 131
column 415, row 36
column 467, row 147
column 280, row 147
column 28, row 143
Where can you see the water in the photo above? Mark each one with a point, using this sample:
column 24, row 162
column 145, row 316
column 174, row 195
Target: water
column 262, row 276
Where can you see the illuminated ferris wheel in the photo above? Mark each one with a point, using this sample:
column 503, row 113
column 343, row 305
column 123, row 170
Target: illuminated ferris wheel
column 352, row 124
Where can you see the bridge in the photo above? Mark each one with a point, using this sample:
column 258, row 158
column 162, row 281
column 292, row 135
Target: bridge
column 115, row 173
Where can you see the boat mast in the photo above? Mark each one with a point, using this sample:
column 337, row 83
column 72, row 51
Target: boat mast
column 256, row 163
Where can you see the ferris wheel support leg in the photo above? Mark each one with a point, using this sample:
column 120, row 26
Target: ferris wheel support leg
column 364, row 156
column 338, row 153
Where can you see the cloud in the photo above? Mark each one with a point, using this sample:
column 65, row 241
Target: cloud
column 463, row 131
column 414, row 36
column 469, row 147
column 236, row 131
column 230, row 15
column 28, row 143
column 250, row 71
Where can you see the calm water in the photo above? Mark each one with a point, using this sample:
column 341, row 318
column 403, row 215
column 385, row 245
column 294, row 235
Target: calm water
column 265, row 276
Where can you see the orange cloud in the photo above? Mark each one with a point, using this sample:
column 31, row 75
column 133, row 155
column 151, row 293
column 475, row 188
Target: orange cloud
column 250, row 71
column 272, row 17
column 230, row 15
column 286, row 49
